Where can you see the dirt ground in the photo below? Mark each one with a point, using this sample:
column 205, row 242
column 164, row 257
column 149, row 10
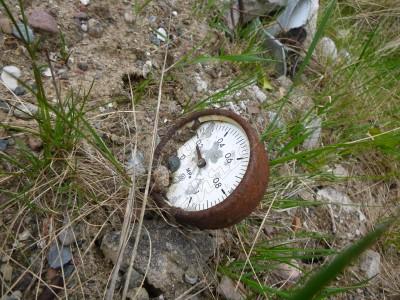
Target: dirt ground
column 103, row 61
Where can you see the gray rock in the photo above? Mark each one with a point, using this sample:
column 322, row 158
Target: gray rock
column 370, row 263
column 83, row 66
column 95, row 29
column 5, row 25
column 147, row 67
column 173, row 252
column 129, row 17
column 27, row 33
column 42, row 20
column 191, row 276
column 66, row 236
column 19, row 91
column 58, row 256
column 16, row 295
column 174, row 163
column 154, row 40
column 201, row 85
column 284, row 82
column 312, row 141
column 288, row 272
column 136, row 164
column 138, row 294
column 326, row 50
column 135, row 280
column 226, row 288
column 10, row 75
column 3, row 144
column 25, row 111
column 259, row 94
column 4, row 106
column 68, row 270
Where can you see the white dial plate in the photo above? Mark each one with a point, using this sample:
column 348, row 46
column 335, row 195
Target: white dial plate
column 226, row 151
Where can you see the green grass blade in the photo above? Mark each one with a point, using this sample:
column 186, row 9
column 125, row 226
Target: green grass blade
column 328, row 273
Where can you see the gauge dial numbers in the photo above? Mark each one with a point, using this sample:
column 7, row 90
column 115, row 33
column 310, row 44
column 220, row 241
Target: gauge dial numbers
column 222, row 173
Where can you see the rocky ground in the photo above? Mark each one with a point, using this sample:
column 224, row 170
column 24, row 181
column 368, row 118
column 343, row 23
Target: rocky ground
column 104, row 44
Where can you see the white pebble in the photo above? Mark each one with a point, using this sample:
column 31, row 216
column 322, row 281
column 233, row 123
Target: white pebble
column 147, row 68
column 47, row 72
column 175, row 13
column 162, row 34
column 85, row 2
column 10, row 75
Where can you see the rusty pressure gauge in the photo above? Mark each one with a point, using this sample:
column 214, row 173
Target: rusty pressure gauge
column 218, row 169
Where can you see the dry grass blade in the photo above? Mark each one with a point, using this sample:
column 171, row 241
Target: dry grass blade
column 129, row 211
column 255, row 241
column 147, row 189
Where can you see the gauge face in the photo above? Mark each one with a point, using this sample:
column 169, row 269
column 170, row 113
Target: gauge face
column 212, row 164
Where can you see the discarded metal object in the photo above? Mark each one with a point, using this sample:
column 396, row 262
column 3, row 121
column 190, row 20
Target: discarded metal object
column 223, row 171
column 294, row 28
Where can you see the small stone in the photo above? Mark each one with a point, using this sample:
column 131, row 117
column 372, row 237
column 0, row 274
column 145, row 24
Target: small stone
column 3, row 144
column 201, row 85
column 85, row 2
column 129, row 17
column 47, row 72
column 174, row 13
column 25, row 111
column 58, row 256
column 191, row 276
column 110, row 245
column 227, row 289
column 26, row 32
column 147, row 68
column 16, row 295
column 9, row 76
column 161, row 34
column 152, row 19
column 154, row 40
column 42, row 20
column 174, row 163
column 138, row 294
column 23, row 236
column 6, row 270
column 288, row 272
column 135, row 279
column 5, row 25
column 326, row 50
column 4, row 106
column 84, row 26
column 340, row 171
column 136, row 164
column 312, row 141
column 19, row 91
column 83, row 66
column 284, row 82
column 370, row 263
column 344, row 55
column 260, row 95
column 161, row 178
column 68, row 270
column 95, row 29
column 66, row 236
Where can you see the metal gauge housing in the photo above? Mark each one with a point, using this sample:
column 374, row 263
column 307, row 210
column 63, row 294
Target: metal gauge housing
column 218, row 169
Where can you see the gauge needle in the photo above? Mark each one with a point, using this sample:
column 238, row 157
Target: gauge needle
column 201, row 162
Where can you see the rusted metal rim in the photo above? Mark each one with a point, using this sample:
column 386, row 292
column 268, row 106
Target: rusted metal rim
column 247, row 195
